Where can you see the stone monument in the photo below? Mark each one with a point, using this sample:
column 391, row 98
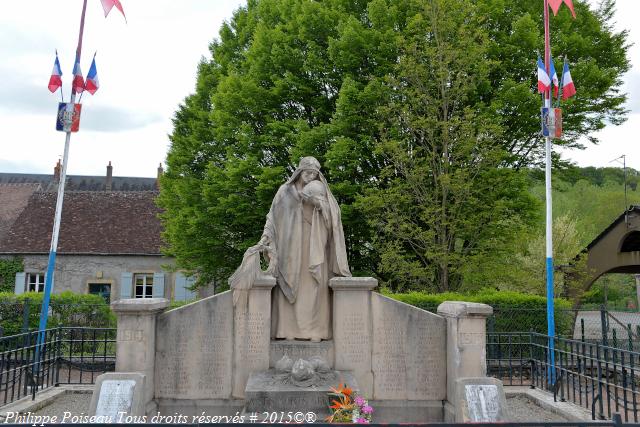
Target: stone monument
column 225, row 353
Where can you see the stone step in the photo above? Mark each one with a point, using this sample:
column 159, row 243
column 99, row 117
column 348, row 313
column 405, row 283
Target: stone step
column 297, row 349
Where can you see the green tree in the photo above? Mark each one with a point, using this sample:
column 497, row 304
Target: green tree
column 443, row 201
column 289, row 78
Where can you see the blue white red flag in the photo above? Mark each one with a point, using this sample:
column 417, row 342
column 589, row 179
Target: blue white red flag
column 544, row 82
column 554, row 77
column 568, row 88
column 92, row 84
column 78, row 81
column 55, row 81
column 107, row 5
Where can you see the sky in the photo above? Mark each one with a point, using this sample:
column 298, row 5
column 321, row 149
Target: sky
column 146, row 67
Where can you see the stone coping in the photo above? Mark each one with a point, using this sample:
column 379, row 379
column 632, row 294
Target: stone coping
column 464, row 309
column 264, row 281
column 140, row 305
column 353, row 283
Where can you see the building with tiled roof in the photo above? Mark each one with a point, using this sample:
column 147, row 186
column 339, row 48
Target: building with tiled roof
column 109, row 244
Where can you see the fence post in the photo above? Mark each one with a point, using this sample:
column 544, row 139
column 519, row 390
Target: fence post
column 57, row 351
column 533, row 363
column 25, row 315
column 600, row 403
column 604, row 326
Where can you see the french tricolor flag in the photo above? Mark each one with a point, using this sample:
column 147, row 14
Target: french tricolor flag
column 554, row 77
column 92, row 83
column 568, row 88
column 544, row 82
column 78, row 81
column 55, row 81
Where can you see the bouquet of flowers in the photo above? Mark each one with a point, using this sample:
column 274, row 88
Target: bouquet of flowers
column 347, row 407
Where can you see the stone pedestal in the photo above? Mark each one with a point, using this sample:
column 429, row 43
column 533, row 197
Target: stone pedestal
column 296, row 349
column 136, row 339
column 352, row 328
column 268, row 392
column 466, row 344
column 252, row 334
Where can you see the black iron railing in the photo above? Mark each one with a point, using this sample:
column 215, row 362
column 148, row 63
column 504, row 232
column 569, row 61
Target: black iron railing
column 601, row 378
column 64, row 356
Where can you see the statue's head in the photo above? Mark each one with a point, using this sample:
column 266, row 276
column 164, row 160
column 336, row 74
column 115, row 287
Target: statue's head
column 309, row 168
column 309, row 163
column 315, row 192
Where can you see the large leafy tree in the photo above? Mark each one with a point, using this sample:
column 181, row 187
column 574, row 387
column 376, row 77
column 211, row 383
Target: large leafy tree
column 289, row 78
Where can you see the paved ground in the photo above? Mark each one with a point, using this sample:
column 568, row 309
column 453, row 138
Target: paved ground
column 520, row 408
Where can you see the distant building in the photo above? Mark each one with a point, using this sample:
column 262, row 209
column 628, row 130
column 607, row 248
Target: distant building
column 110, row 235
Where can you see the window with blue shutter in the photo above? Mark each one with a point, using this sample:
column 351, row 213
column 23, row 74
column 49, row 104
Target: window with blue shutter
column 126, row 285
column 158, row 285
column 182, row 291
column 21, row 279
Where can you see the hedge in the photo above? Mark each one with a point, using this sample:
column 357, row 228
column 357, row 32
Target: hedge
column 66, row 309
column 512, row 311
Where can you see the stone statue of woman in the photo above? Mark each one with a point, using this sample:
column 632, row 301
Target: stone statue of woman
column 304, row 232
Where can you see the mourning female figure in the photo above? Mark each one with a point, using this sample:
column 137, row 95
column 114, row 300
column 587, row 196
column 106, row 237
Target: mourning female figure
column 304, row 232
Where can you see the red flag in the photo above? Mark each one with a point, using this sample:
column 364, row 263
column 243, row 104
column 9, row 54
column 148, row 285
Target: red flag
column 555, row 6
column 107, row 5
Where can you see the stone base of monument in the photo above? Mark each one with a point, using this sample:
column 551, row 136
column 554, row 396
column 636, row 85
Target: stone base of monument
column 300, row 350
column 195, row 407
column 407, row 411
column 267, row 392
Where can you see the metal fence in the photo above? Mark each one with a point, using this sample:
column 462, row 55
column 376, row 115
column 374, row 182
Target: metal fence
column 66, row 355
column 601, row 378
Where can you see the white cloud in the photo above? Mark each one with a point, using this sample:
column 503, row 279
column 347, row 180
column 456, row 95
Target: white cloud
column 146, row 68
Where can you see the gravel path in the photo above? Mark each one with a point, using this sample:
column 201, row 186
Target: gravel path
column 520, row 408
column 76, row 403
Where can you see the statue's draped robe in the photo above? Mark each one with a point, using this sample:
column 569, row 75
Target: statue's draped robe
column 310, row 251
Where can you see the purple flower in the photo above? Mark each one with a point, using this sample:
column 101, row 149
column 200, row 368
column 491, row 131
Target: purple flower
column 362, row 421
column 367, row 409
column 360, row 400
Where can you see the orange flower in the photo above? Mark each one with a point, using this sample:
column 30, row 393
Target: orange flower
column 342, row 389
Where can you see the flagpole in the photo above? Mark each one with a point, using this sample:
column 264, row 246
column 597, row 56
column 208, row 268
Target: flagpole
column 44, row 312
column 549, row 219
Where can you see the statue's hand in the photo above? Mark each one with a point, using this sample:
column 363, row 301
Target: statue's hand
column 264, row 241
column 273, row 261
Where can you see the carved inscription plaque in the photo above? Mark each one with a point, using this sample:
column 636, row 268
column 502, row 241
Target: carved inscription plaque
column 115, row 396
column 194, row 350
column 409, row 349
column 482, row 402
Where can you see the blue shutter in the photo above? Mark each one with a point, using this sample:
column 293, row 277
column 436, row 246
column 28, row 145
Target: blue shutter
column 21, row 280
column 126, row 285
column 158, row 285
column 180, row 291
column 189, row 294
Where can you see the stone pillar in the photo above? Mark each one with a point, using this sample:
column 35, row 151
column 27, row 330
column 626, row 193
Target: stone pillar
column 252, row 334
column 466, row 343
column 352, row 328
column 136, row 338
column 637, row 276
